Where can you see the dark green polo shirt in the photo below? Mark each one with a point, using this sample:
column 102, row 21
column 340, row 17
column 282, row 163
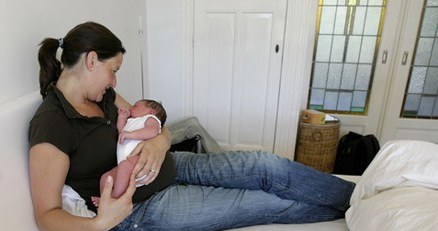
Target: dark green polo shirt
column 90, row 144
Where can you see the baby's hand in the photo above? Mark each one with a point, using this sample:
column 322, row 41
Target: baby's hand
column 123, row 136
column 124, row 112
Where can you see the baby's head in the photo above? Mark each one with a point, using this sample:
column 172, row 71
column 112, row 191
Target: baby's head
column 148, row 106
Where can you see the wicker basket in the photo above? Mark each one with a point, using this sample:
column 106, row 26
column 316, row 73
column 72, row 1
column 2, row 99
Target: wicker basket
column 317, row 145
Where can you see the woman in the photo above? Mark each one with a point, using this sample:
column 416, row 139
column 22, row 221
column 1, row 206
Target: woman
column 73, row 139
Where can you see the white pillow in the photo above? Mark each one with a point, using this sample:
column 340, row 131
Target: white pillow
column 408, row 208
column 398, row 190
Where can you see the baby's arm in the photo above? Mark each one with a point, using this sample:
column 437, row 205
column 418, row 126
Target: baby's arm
column 124, row 114
column 151, row 129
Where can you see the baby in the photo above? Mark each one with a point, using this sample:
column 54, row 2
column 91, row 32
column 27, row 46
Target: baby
column 142, row 122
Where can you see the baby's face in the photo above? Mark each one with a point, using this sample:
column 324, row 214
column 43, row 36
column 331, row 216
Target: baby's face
column 140, row 109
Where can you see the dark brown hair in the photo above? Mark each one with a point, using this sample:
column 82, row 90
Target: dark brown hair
column 83, row 38
column 160, row 112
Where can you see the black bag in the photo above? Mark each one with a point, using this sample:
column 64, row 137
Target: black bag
column 355, row 152
column 188, row 145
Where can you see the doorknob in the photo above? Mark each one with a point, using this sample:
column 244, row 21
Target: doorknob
column 277, row 48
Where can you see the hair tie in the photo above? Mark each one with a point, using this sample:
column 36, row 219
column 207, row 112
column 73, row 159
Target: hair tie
column 61, row 42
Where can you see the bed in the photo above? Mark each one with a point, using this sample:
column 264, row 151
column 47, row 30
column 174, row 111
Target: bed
column 17, row 213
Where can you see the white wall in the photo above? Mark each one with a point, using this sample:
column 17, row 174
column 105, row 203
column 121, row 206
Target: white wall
column 25, row 23
column 165, row 55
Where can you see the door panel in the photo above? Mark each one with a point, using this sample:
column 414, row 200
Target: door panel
column 237, row 70
column 395, row 126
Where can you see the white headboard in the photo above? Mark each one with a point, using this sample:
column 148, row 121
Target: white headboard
column 16, row 207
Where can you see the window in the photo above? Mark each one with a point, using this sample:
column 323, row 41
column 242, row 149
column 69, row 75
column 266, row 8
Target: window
column 421, row 96
column 347, row 40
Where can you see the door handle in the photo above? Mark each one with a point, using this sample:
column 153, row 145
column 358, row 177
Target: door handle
column 384, row 56
column 277, row 48
column 405, row 58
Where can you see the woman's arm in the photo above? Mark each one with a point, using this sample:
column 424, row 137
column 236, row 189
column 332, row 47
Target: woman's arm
column 48, row 167
column 120, row 102
column 150, row 129
column 152, row 153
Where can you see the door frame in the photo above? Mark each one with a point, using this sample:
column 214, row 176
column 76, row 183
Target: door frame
column 295, row 73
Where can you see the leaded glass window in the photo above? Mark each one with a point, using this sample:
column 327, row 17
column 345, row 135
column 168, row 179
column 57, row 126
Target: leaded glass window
column 347, row 40
column 421, row 96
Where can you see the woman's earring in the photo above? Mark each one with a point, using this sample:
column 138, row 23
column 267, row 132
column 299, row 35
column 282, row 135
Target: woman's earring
column 92, row 69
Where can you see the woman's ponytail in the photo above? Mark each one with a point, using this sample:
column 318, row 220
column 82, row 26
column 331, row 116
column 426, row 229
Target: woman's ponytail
column 50, row 67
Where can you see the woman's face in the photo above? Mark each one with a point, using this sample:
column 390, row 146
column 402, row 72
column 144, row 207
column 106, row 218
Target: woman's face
column 105, row 76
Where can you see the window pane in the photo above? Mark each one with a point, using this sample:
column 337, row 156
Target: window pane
column 412, row 103
column 363, row 77
column 426, row 106
column 341, row 15
column 320, row 75
column 317, row 97
column 345, row 99
column 435, row 109
column 334, row 78
column 338, row 48
column 424, row 51
column 372, row 20
column 330, row 2
column 430, row 20
column 349, row 76
column 431, row 83
column 359, row 20
column 331, row 100
column 432, row 2
column 434, row 59
column 327, row 20
column 323, row 49
column 359, row 101
column 345, row 54
column 418, row 76
column 354, row 44
column 367, row 50
column 375, row 2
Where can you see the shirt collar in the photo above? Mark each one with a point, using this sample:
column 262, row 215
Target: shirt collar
column 69, row 110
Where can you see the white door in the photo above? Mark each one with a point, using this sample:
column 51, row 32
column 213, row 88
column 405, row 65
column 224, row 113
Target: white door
column 237, row 64
column 412, row 110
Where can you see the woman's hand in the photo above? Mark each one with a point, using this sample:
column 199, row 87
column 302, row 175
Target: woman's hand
column 152, row 153
column 48, row 167
column 113, row 211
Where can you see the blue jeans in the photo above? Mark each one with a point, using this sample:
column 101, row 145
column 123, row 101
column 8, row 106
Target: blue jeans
column 235, row 189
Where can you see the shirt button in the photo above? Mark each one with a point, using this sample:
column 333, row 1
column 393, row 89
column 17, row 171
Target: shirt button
column 108, row 122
